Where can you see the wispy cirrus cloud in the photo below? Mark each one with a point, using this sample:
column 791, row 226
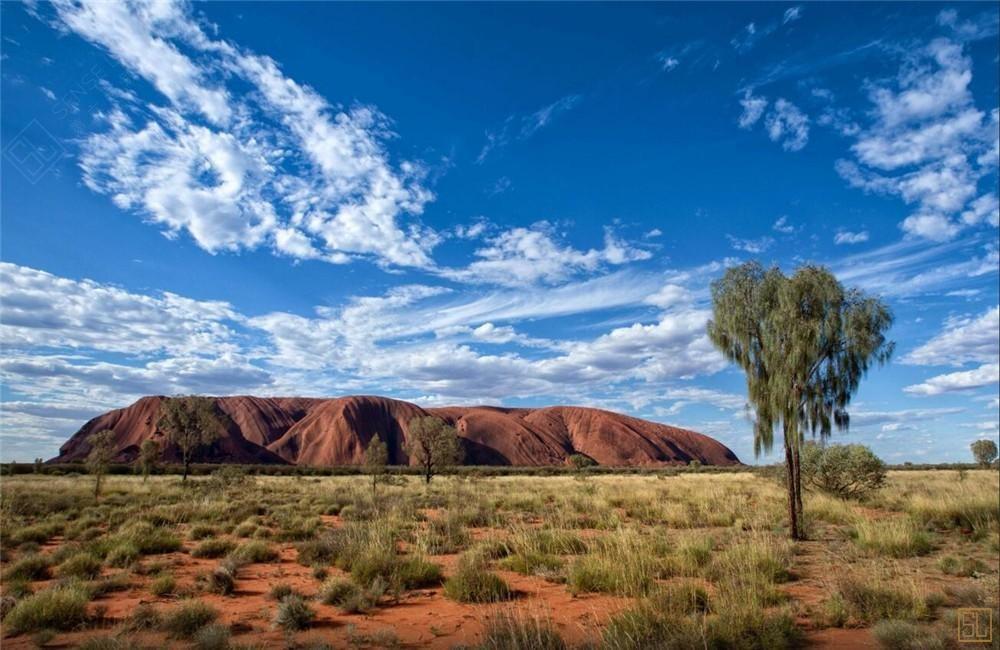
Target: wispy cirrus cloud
column 524, row 126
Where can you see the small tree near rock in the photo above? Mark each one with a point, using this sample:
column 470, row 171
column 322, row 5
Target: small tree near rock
column 844, row 471
column 190, row 423
column 99, row 457
column 376, row 464
column 984, row 451
column 433, row 444
column 581, row 462
column 149, row 454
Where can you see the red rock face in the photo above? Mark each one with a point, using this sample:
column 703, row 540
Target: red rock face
column 323, row 432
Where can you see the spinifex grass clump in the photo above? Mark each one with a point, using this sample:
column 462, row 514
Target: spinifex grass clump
column 60, row 608
column 864, row 597
column 624, row 562
column 897, row 537
column 516, row 630
column 186, row 619
column 473, row 582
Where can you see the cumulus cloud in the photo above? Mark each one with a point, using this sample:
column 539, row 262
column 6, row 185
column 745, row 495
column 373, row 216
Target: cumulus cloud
column 523, row 256
column 241, row 156
column 753, row 109
column 962, row 340
column 930, row 145
column 987, row 374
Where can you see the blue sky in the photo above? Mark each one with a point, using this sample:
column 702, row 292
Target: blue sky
column 489, row 203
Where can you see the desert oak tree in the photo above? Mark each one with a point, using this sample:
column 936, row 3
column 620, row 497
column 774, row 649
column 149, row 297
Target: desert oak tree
column 149, row 454
column 190, row 423
column 804, row 343
column 984, row 451
column 433, row 444
column 376, row 463
column 100, row 455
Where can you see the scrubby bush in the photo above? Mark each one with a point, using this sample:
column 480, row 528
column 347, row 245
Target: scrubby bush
column 122, row 554
column 58, row 608
column 844, row 471
column 580, row 461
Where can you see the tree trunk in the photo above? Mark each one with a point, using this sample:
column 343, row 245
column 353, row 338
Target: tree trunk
column 427, row 474
column 187, row 463
column 97, row 487
column 793, row 514
column 797, row 477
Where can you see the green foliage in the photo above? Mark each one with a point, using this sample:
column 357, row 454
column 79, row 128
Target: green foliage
column 844, row 471
column 149, row 539
column 433, row 444
column 376, row 462
column 984, row 451
column 581, row 462
column 212, row 637
column 58, row 608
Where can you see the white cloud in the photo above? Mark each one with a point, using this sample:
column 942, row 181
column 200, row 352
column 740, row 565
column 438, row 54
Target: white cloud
column 985, row 375
column 782, row 225
column 753, row 109
column 847, row 237
column 243, row 156
column 791, row 14
column 523, row 256
column 962, row 340
column 930, row 145
column 788, row 125
column 522, row 127
column 668, row 63
column 44, row 310
column 752, row 246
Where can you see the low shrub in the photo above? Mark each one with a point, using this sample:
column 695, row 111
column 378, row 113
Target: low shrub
column 202, row 531
column 865, row 598
column 843, row 471
column 122, row 555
